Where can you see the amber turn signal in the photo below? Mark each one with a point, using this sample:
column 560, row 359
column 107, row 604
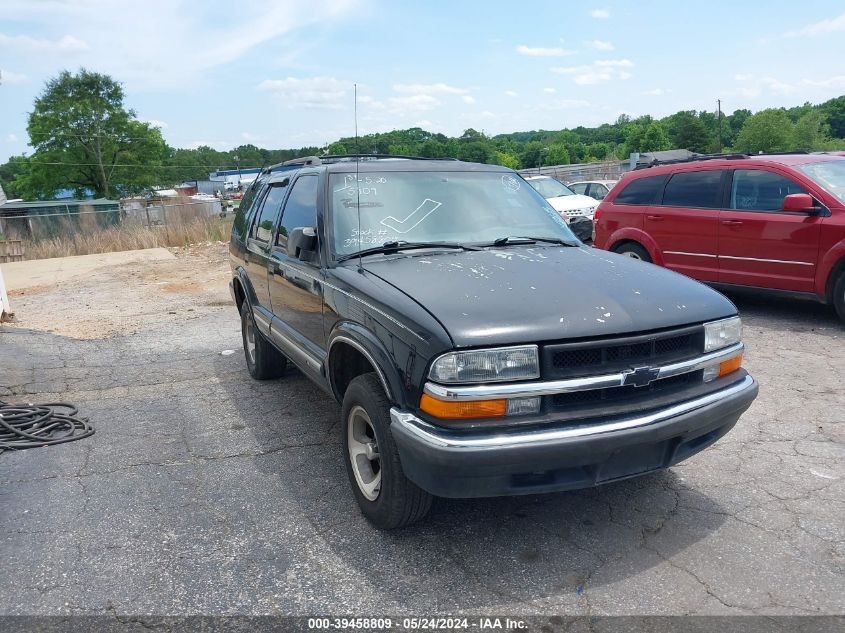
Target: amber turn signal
column 452, row 410
column 730, row 366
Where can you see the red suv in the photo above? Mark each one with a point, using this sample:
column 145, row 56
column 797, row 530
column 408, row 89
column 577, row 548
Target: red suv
column 767, row 221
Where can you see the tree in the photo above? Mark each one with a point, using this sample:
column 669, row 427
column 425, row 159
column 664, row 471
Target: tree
column 475, row 152
column 15, row 167
column 688, row 131
column 557, row 155
column 810, row 131
column 85, row 139
column 655, row 138
column 506, row 160
column 834, row 111
column 767, row 131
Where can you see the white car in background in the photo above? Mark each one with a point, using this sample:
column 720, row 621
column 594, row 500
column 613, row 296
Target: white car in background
column 569, row 204
column 596, row 189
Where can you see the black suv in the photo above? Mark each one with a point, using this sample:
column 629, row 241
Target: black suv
column 476, row 346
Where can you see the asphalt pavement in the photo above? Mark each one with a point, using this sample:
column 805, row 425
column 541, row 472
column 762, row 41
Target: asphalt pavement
column 206, row 492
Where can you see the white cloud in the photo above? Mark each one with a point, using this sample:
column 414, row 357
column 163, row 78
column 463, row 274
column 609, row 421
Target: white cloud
column 600, row 14
column 511, row 93
column 8, row 77
column 601, row 45
column 657, row 91
column 600, row 71
column 752, row 86
column 12, row 138
column 549, row 90
column 218, row 145
column 468, row 99
column 544, row 52
column 831, row 82
column 412, row 103
column 161, row 125
column 27, row 44
column 429, row 89
column 161, row 44
column 823, row 27
column 313, row 92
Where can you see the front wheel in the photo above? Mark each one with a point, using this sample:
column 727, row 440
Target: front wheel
column 634, row 251
column 262, row 359
column 386, row 497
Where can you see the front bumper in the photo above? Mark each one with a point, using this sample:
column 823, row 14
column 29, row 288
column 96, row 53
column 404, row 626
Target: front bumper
column 485, row 464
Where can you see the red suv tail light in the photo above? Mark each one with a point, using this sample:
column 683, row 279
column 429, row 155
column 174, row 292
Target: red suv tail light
column 597, row 215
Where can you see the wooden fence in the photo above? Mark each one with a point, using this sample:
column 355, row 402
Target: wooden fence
column 11, row 251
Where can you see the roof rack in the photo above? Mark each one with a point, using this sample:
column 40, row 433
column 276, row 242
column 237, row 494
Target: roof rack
column 692, row 159
column 312, row 161
column 338, row 158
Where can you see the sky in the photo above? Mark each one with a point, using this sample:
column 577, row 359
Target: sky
column 280, row 73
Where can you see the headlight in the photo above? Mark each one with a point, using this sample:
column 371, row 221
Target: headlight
column 487, row 365
column 719, row 334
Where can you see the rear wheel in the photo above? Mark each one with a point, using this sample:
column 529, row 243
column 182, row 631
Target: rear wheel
column 386, row 497
column 839, row 296
column 262, row 359
column 633, row 250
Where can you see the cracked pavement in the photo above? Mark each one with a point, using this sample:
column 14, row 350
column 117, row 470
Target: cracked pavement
column 206, row 492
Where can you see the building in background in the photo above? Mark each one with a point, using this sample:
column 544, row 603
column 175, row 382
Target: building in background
column 231, row 179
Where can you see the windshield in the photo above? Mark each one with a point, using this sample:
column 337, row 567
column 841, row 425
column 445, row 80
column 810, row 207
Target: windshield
column 425, row 206
column 551, row 188
column 830, row 175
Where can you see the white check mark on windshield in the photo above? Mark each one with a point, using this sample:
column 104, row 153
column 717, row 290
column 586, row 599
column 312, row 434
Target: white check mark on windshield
column 425, row 209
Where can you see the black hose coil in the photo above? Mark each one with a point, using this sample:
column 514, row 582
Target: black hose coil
column 33, row 425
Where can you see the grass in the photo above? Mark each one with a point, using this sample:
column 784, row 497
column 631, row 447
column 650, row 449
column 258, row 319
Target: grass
column 85, row 235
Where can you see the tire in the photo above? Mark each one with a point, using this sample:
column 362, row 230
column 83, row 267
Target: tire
column 262, row 359
column 386, row 497
column 839, row 296
column 633, row 250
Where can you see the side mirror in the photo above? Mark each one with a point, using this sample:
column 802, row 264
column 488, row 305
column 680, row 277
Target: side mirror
column 799, row 202
column 302, row 242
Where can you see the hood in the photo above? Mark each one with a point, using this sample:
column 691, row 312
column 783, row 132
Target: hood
column 569, row 203
column 525, row 294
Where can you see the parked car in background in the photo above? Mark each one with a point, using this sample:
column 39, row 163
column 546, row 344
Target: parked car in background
column 475, row 346
column 565, row 201
column 596, row 189
column 775, row 222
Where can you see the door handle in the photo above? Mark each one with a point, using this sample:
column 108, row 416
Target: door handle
column 276, row 269
column 656, row 218
column 732, row 222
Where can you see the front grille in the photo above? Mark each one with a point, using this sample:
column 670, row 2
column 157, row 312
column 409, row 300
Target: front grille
column 595, row 357
column 627, row 394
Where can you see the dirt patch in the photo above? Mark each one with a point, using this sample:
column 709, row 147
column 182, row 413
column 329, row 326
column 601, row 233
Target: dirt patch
column 121, row 299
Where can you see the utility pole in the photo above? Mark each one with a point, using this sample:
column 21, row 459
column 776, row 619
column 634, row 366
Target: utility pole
column 719, row 118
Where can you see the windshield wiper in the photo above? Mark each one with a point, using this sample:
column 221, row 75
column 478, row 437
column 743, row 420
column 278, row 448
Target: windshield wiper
column 402, row 245
column 524, row 239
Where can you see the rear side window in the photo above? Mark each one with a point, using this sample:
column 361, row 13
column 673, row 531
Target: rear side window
column 246, row 210
column 262, row 230
column 694, row 189
column 641, row 191
column 758, row 190
column 300, row 209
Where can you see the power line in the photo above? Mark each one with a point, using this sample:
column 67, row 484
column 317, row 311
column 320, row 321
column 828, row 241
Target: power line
column 209, row 167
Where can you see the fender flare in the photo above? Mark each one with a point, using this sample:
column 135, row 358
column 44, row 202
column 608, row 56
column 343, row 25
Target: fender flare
column 366, row 342
column 243, row 279
column 631, row 234
column 832, row 262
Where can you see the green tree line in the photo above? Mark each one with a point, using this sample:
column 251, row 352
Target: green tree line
column 86, row 139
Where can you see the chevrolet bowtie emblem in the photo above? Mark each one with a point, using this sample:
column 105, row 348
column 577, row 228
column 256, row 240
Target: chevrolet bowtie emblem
column 641, row 376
